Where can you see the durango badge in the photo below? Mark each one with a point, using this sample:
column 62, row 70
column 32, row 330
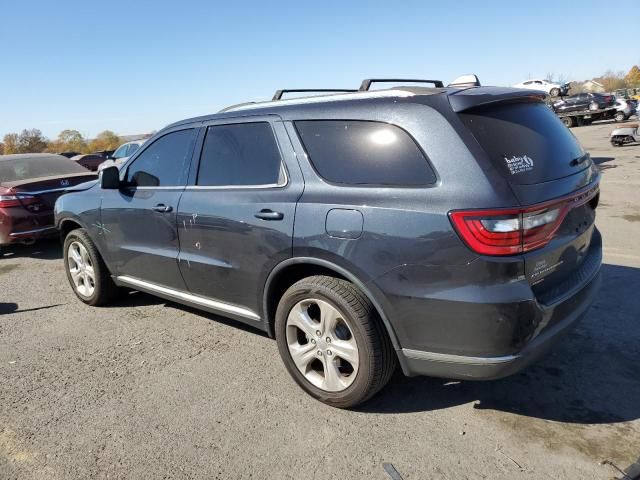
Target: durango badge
column 519, row 164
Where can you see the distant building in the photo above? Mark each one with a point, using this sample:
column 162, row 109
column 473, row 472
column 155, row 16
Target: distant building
column 592, row 86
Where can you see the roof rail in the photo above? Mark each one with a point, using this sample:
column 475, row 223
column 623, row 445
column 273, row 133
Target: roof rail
column 279, row 93
column 366, row 83
column 235, row 105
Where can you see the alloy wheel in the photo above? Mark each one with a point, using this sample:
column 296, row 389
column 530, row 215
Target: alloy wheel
column 322, row 345
column 81, row 269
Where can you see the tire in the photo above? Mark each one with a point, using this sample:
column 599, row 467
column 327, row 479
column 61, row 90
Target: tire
column 593, row 106
column 349, row 320
column 97, row 289
column 554, row 92
column 568, row 121
column 619, row 117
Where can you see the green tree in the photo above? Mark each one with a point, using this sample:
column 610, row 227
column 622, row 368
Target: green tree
column 632, row 79
column 10, row 141
column 106, row 140
column 31, row 141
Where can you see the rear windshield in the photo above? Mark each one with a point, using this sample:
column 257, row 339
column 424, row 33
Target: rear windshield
column 26, row 168
column 526, row 142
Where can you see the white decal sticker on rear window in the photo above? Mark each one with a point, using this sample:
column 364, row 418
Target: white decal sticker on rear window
column 520, row 164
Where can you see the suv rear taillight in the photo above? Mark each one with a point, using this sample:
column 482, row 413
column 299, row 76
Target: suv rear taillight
column 516, row 230
column 11, row 198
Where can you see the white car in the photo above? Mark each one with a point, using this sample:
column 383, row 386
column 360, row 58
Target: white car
column 551, row 88
column 122, row 154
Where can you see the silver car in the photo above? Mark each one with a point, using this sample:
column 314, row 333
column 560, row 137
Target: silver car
column 122, row 154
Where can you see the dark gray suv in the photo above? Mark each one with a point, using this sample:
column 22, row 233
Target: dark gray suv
column 448, row 229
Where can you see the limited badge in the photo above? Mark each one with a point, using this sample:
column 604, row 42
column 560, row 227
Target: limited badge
column 519, row 164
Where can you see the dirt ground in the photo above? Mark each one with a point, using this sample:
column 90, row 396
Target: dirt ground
column 149, row 389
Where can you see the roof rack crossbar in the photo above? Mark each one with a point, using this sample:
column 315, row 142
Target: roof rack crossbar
column 279, row 93
column 366, row 83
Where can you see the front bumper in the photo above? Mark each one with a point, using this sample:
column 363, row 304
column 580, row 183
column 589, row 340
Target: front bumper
column 416, row 362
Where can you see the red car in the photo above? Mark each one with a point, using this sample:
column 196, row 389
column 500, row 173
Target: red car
column 89, row 161
column 29, row 187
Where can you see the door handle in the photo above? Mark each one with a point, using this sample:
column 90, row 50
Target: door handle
column 162, row 208
column 266, row 214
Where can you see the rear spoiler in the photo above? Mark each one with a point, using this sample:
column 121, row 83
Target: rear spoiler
column 477, row 97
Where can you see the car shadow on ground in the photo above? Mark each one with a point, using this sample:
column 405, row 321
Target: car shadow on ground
column 592, row 376
column 8, row 308
column 49, row 249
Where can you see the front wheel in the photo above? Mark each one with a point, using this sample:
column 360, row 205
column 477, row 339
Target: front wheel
column 554, row 92
column 332, row 341
column 86, row 271
column 593, row 106
column 620, row 117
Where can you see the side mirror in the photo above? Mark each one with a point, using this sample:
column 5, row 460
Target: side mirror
column 110, row 178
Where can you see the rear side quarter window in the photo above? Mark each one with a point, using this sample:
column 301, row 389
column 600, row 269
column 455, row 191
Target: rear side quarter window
column 356, row 152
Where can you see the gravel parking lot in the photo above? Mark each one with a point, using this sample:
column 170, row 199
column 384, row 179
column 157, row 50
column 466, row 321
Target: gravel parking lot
column 150, row 389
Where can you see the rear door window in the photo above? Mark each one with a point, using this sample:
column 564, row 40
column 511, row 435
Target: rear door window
column 364, row 153
column 526, row 142
column 240, row 154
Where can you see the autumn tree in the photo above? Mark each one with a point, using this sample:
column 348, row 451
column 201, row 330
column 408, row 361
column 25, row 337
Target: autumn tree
column 1, row 148
column 31, row 141
column 106, row 140
column 632, row 79
column 10, row 141
column 611, row 80
column 68, row 141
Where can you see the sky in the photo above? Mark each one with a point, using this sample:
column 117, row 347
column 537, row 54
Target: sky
column 136, row 66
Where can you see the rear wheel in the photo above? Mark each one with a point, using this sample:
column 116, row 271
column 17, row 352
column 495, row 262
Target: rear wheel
column 554, row 92
column 593, row 106
column 620, row 117
column 332, row 342
column 86, row 271
column 617, row 141
column 568, row 121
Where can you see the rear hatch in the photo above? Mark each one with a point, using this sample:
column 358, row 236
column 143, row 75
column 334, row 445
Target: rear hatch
column 556, row 184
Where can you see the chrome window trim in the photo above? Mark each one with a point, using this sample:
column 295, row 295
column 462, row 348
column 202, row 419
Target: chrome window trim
column 265, row 186
column 167, row 187
column 188, row 297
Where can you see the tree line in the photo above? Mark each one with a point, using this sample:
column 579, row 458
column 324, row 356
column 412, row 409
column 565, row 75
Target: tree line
column 33, row 141
column 610, row 80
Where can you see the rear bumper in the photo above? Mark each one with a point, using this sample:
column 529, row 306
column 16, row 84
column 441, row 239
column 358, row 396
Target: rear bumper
column 415, row 362
column 20, row 226
column 483, row 326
